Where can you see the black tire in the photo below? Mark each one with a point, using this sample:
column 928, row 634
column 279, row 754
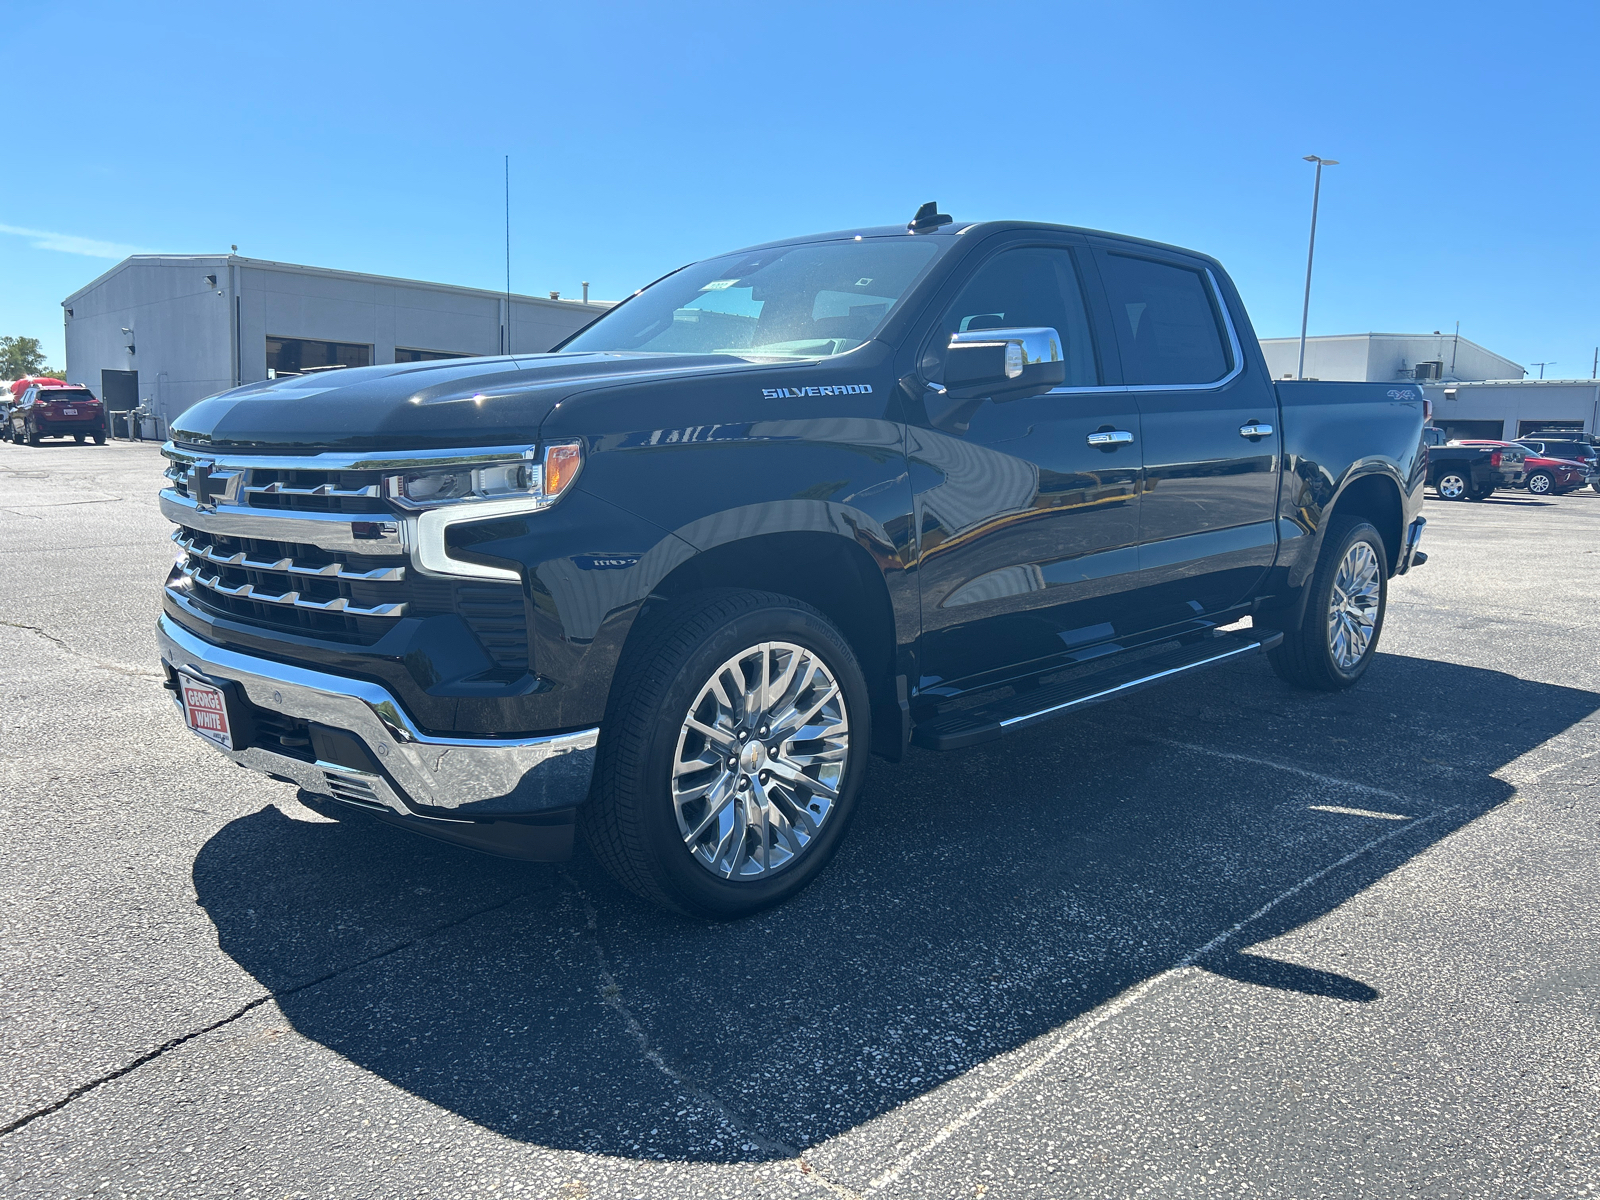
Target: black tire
column 630, row 821
column 33, row 437
column 1306, row 657
column 1540, row 483
column 99, row 439
column 1452, row 485
column 78, row 437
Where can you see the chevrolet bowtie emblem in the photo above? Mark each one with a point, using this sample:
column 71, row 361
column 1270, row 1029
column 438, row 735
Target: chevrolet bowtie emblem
column 203, row 490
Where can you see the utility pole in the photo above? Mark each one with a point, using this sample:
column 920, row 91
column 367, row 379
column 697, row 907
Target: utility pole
column 506, row 349
column 1543, row 365
column 1311, row 250
column 1594, row 371
column 1454, row 346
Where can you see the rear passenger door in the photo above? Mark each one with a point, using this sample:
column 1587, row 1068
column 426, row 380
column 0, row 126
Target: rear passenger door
column 1207, row 515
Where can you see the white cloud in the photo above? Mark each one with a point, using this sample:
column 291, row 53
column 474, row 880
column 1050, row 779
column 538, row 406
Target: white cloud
column 71, row 243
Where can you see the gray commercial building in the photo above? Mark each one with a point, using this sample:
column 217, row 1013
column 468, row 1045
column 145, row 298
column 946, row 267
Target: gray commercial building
column 166, row 330
column 1513, row 408
column 1380, row 357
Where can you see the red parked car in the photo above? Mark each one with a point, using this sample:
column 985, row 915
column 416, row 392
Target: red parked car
column 1545, row 476
column 41, row 408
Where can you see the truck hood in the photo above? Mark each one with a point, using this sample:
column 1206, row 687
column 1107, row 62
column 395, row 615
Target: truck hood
column 443, row 404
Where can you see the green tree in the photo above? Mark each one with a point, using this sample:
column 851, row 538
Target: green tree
column 21, row 356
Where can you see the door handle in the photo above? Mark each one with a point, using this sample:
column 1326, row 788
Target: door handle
column 1255, row 429
column 1111, row 437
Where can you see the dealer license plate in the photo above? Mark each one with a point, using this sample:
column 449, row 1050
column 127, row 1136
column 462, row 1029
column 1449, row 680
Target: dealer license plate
column 69, row 412
column 205, row 709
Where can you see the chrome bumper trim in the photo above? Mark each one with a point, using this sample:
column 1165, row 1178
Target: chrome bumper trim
column 1413, row 539
column 419, row 775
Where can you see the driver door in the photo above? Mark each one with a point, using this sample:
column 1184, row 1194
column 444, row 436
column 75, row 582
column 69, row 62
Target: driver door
column 1027, row 532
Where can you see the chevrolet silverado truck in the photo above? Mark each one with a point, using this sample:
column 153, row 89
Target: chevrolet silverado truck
column 671, row 582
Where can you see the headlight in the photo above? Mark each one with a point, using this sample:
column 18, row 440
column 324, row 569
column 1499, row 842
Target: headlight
column 535, row 476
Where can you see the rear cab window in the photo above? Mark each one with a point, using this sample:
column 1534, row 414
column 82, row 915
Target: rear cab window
column 1168, row 321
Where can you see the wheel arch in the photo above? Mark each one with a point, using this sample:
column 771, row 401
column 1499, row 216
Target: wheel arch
column 834, row 574
column 1376, row 496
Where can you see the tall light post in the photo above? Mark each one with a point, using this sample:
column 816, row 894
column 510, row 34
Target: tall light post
column 1305, row 309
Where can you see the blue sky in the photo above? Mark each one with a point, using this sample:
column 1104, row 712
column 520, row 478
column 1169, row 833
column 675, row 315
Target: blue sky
column 370, row 137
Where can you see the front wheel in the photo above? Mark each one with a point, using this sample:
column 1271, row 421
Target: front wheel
column 1452, row 485
column 1541, row 483
column 730, row 758
column 1338, row 634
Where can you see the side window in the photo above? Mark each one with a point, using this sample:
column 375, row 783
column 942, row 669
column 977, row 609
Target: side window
column 1023, row 289
column 1167, row 323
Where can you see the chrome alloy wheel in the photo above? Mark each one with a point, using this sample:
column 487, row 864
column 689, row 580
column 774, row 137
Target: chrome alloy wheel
column 1451, row 487
column 1539, row 484
column 1357, row 586
column 760, row 759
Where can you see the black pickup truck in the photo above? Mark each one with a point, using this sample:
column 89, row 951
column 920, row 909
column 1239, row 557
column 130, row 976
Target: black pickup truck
column 1458, row 472
column 671, row 582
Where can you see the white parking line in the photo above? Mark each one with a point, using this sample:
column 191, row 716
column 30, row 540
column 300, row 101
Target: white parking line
column 1327, row 780
column 1057, row 1045
column 1358, row 812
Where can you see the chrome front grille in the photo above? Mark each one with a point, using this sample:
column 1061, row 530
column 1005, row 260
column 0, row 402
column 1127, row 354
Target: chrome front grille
column 203, row 547
column 288, row 546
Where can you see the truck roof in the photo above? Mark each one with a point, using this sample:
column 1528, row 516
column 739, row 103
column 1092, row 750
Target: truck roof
column 960, row 229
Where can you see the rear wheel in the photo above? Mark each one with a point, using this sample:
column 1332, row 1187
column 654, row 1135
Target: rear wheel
column 1338, row 633
column 33, row 437
column 78, row 437
column 731, row 754
column 1452, row 485
column 99, row 439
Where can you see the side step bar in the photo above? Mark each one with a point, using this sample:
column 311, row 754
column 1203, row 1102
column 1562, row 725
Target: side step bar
column 974, row 725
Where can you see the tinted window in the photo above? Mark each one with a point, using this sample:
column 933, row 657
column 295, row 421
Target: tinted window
column 403, row 355
column 1167, row 325
column 291, row 356
column 1026, row 288
column 806, row 301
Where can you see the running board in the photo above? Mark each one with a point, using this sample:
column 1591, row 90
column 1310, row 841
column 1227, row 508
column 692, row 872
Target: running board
column 967, row 728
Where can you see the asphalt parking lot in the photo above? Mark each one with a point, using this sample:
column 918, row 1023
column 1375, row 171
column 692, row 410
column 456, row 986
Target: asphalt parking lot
column 1218, row 939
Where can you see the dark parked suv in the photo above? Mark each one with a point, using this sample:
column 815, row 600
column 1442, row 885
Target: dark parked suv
column 673, row 581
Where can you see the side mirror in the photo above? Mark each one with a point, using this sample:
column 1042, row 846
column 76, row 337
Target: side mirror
column 1003, row 364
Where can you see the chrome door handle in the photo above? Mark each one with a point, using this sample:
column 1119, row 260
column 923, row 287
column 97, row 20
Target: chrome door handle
column 1255, row 429
column 1111, row 437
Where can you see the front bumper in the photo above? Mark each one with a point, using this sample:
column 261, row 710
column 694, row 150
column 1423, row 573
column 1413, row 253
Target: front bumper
column 513, row 796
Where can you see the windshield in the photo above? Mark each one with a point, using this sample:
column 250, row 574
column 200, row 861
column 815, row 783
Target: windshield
column 785, row 302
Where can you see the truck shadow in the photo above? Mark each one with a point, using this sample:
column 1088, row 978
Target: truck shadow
column 982, row 900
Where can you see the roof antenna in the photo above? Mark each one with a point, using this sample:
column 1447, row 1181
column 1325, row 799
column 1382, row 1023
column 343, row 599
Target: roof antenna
column 928, row 218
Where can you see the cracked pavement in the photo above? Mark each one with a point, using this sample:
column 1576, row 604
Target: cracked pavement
column 1214, row 939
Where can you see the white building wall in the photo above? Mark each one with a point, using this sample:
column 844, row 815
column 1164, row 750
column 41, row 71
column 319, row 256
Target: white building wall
column 1516, row 403
column 1380, row 357
column 184, row 328
column 180, row 327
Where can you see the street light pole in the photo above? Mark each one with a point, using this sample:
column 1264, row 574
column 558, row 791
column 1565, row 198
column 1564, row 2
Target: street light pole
column 1311, row 250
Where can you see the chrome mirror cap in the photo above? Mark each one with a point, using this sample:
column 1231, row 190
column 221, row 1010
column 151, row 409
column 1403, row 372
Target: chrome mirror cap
column 1022, row 347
